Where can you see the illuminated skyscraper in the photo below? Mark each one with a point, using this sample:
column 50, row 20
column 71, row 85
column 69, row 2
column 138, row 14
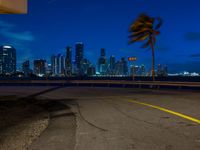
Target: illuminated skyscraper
column 159, row 70
column 62, row 65
column 103, row 52
column 58, row 65
column 124, row 66
column 102, row 64
column 79, row 57
column 165, row 70
column 7, row 60
column 91, row 71
column 40, row 67
column 142, row 68
column 112, row 65
column 135, row 70
column 121, row 67
column 54, row 65
column 86, row 64
column 68, row 61
column 162, row 70
column 26, row 68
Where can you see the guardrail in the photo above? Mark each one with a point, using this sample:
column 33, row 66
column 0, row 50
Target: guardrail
column 107, row 83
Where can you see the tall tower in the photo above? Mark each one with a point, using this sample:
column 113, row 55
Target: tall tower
column 102, row 65
column 79, row 56
column 142, row 70
column 7, row 60
column 58, row 65
column 68, row 62
column 40, row 67
column 54, row 65
column 123, row 67
column 112, row 65
column 62, row 65
column 26, row 67
column 103, row 52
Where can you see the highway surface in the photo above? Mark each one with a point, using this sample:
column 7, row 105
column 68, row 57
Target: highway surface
column 118, row 119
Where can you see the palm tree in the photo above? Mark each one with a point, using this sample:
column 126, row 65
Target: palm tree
column 145, row 28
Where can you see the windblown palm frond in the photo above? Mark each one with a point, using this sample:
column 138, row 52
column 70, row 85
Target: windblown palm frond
column 145, row 28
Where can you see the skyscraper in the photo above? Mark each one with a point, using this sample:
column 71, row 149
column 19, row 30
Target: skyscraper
column 40, row 67
column 7, row 60
column 124, row 66
column 79, row 57
column 165, row 70
column 135, row 70
column 26, row 68
column 68, row 61
column 142, row 67
column 49, row 70
column 121, row 67
column 159, row 70
column 112, row 65
column 62, row 65
column 91, row 70
column 103, row 52
column 86, row 64
column 54, row 65
column 102, row 64
column 58, row 62
column 58, row 65
column 162, row 70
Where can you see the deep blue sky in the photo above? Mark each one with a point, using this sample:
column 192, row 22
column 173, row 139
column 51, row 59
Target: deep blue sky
column 51, row 25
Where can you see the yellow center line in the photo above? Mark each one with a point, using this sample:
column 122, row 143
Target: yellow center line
column 167, row 110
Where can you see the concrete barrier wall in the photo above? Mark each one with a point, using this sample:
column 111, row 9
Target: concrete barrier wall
column 103, row 83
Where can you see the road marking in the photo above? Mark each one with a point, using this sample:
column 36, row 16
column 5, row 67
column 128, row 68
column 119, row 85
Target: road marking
column 168, row 111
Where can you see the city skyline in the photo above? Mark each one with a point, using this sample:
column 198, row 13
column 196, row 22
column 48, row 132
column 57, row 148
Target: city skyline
column 63, row 65
column 67, row 65
column 105, row 24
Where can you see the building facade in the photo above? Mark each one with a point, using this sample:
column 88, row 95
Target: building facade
column 121, row 67
column 102, row 63
column 68, row 61
column 112, row 65
column 79, row 47
column 91, row 71
column 26, row 68
column 7, row 60
column 58, row 65
column 40, row 67
column 162, row 70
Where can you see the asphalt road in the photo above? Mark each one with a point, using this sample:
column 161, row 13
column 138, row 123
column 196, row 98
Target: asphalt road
column 121, row 119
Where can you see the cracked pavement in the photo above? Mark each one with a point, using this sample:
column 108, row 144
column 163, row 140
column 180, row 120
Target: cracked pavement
column 106, row 120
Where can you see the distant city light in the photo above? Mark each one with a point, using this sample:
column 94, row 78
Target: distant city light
column 7, row 46
column 132, row 58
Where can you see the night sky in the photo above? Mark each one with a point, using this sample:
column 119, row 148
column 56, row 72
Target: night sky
column 51, row 25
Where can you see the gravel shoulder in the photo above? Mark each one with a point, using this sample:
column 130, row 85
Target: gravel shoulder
column 21, row 123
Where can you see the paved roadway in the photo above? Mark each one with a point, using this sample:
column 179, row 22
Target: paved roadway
column 126, row 119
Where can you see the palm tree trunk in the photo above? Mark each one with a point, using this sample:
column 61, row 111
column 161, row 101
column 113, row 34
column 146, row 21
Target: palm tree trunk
column 153, row 61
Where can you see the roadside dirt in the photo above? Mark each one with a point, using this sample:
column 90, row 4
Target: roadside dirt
column 21, row 122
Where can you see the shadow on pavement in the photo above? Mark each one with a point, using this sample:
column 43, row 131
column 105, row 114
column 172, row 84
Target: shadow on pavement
column 40, row 93
column 18, row 111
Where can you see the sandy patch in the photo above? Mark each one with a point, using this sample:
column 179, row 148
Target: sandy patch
column 20, row 124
